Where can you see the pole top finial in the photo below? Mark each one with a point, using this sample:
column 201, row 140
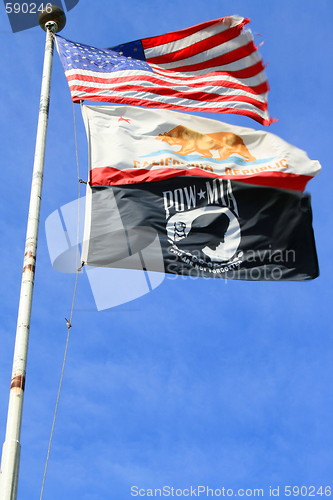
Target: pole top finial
column 53, row 18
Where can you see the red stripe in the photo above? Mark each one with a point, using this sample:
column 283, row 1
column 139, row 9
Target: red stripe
column 178, row 35
column 249, row 72
column 197, row 47
column 156, row 104
column 109, row 176
column 230, row 57
column 165, row 91
column 259, row 89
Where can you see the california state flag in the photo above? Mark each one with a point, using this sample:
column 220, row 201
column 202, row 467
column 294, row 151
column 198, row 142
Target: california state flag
column 175, row 193
column 132, row 144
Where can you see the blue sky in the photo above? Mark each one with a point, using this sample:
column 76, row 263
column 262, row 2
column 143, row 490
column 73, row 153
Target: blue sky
column 224, row 384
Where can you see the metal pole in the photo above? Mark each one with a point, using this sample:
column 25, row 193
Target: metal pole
column 11, row 448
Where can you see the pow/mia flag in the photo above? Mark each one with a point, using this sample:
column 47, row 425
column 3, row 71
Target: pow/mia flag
column 181, row 194
column 200, row 227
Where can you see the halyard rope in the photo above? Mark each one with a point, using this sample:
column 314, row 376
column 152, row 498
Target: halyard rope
column 69, row 320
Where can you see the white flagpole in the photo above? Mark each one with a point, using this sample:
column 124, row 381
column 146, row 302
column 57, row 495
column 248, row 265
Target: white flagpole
column 52, row 22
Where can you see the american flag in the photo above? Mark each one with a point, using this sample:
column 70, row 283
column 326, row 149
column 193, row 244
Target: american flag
column 211, row 67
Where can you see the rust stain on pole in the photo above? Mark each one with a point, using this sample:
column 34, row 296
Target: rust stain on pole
column 18, row 382
column 30, row 254
column 29, row 267
column 29, row 261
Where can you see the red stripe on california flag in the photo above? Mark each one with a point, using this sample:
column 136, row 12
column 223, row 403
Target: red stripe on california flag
column 109, row 176
column 197, row 47
column 230, row 57
column 154, row 41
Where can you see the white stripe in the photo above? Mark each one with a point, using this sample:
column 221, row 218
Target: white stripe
column 214, row 52
column 249, row 82
column 245, row 62
column 111, row 75
column 203, row 34
column 175, row 101
column 184, row 88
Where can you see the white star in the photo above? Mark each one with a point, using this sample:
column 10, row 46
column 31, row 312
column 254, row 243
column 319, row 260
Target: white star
column 201, row 194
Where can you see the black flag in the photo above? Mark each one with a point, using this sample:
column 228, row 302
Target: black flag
column 196, row 226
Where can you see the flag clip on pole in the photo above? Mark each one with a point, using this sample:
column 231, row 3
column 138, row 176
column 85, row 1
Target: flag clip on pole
column 51, row 21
